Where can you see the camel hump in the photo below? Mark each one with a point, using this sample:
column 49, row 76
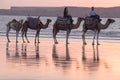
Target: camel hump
column 14, row 20
column 33, row 22
column 61, row 20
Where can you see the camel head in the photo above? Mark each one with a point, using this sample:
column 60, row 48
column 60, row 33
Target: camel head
column 44, row 26
column 80, row 19
column 49, row 20
column 111, row 20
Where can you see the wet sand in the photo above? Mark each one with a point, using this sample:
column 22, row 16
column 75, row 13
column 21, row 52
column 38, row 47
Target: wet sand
column 47, row 61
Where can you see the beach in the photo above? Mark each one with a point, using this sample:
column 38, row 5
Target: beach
column 49, row 61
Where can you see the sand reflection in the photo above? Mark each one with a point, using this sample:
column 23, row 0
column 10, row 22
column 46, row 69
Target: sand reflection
column 94, row 63
column 91, row 64
column 95, row 53
column 19, row 54
column 61, row 61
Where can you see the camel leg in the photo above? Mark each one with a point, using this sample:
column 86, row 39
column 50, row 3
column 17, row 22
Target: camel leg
column 26, row 36
column 17, row 32
column 35, row 37
column 98, row 38
column 56, row 42
column 54, row 36
column 38, row 32
column 67, row 36
column 23, row 33
column 7, row 34
column 94, row 37
column 83, row 38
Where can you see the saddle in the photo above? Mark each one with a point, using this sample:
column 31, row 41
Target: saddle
column 89, row 20
column 63, row 21
column 33, row 22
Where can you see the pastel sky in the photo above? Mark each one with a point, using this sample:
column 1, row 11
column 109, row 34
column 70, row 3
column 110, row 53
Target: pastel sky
column 51, row 3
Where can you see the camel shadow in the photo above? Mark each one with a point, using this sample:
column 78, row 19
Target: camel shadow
column 61, row 61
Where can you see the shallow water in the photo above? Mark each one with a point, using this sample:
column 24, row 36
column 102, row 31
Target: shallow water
column 47, row 61
column 112, row 32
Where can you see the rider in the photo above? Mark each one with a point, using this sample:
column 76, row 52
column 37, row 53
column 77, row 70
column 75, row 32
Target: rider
column 94, row 15
column 65, row 12
column 66, row 15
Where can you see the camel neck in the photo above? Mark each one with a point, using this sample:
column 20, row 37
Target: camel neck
column 46, row 25
column 77, row 24
column 106, row 25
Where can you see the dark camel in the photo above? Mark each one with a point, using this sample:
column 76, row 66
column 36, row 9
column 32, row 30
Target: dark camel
column 96, row 27
column 60, row 26
column 39, row 26
column 15, row 25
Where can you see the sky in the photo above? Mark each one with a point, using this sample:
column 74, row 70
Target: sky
column 6, row 4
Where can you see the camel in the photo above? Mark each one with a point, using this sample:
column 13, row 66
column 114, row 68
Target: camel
column 38, row 27
column 96, row 27
column 15, row 25
column 64, row 26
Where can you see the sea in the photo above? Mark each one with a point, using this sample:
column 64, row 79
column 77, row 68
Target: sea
column 111, row 33
column 49, row 61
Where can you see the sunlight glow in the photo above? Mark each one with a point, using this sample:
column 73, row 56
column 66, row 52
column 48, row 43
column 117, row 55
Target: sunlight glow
column 54, row 3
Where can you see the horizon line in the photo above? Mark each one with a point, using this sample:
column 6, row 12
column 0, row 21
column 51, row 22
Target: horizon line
column 59, row 6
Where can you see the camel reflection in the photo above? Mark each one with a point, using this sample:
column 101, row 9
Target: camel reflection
column 20, row 54
column 8, row 50
column 37, row 50
column 88, row 63
column 24, row 50
column 59, row 61
column 95, row 53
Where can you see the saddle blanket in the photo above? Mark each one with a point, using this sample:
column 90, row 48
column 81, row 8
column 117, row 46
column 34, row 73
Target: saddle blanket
column 89, row 20
column 61, row 20
column 33, row 22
